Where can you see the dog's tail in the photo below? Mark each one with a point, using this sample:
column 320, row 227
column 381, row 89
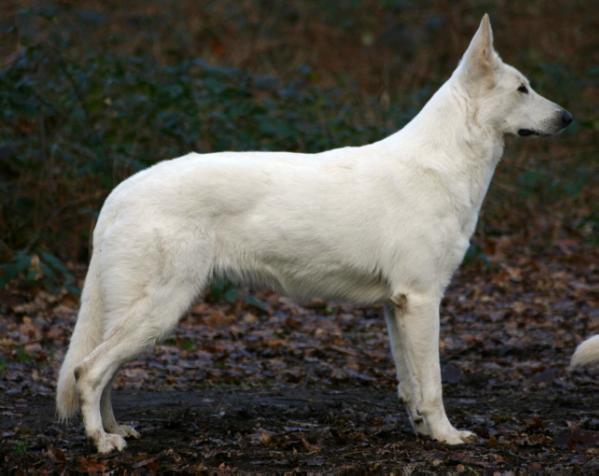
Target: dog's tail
column 86, row 337
column 587, row 353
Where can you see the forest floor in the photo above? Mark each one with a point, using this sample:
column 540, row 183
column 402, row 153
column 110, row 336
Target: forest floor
column 264, row 384
column 253, row 381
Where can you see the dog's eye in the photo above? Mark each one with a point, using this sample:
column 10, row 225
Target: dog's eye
column 523, row 89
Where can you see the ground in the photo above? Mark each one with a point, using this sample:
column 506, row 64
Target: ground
column 262, row 383
column 252, row 381
column 343, row 429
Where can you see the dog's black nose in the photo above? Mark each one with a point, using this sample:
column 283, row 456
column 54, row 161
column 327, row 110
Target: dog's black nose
column 566, row 118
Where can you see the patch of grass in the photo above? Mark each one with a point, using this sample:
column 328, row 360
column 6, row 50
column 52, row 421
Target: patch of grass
column 186, row 344
column 19, row 447
column 22, row 356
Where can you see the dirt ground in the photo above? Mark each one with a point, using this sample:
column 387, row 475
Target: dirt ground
column 264, row 384
column 345, row 429
column 253, row 382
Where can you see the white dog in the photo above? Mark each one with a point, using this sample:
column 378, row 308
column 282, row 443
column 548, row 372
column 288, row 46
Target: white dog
column 587, row 353
column 387, row 222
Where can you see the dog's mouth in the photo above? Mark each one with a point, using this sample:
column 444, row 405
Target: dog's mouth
column 528, row 132
column 531, row 132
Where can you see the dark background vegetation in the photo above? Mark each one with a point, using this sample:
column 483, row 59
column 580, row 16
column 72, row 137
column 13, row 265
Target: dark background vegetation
column 93, row 91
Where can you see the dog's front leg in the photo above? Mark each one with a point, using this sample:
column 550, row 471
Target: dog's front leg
column 413, row 325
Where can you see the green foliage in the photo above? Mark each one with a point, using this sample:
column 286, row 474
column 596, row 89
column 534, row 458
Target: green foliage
column 224, row 290
column 475, row 254
column 552, row 188
column 87, row 99
column 45, row 268
column 72, row 128
column 19, row 447
column 22, row 356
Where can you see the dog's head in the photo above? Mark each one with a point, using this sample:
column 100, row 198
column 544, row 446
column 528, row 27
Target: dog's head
column 501, row 96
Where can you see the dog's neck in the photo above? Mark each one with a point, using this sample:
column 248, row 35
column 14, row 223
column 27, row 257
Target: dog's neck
column 448, row 128
column 446, row 137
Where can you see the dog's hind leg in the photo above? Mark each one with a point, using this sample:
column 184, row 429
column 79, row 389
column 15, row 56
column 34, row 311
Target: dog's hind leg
column 145, row 298
column 95, row 372
column 413, row 324
column 149, row 320
column 108, row 419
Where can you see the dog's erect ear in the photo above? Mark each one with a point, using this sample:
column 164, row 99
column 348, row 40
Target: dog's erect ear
column 480, row 57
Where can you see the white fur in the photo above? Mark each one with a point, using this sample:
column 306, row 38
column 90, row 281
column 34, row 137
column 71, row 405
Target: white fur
column 587, row 353
column 386, row 222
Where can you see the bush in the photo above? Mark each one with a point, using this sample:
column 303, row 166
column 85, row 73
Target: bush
column 93, row 93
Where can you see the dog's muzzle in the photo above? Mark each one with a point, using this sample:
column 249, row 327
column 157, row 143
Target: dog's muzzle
column 564, row 119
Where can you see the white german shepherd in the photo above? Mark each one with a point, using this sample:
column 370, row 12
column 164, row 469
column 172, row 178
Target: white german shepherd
column 587, row 353
column 386, row 222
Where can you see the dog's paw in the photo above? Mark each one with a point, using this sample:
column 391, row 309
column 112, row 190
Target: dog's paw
column 456, row 437
column 125, row 431
column 110, row 441
column 468, row 437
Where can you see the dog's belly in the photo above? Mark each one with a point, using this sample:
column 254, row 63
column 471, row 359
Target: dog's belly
column 306, row 280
